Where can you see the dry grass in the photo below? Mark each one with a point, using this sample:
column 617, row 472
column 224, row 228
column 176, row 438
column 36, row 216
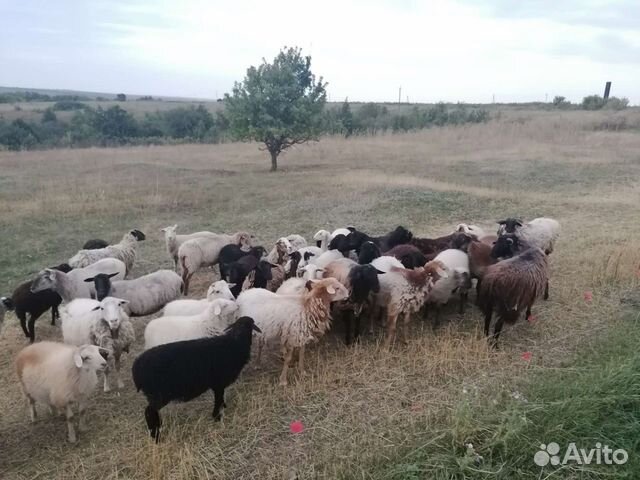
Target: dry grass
column 361, row 406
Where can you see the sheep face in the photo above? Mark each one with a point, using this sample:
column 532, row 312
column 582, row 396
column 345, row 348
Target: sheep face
column 368, row 252
column 244, row 241
column 462, row 279
column 435, row 270
column 111, row 311
column 221, row 289
column 342, row 243
column 310, row 272
column 7, row 303
column 46, row 280
column 505, row 246
column 461, row 240
column 399, row 236
column 137, row 235
column 508, row 225
column 89, row 358
column 264, row 269
column 330, row 287
column 222, row 308
column 364, row 280
column 169, row 232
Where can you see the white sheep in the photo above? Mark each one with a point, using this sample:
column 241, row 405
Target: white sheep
column 72, row 285
column 470, row 229
column 146, row 295
column 457, row 280
column 59, row 375
column 297, row 241
column 540, row 232
column 295, row 319
column 103, row 323
column 297, row 285
column 204, row 252
column 173, row 240
column 326, row 258
column 385, row 263
column 125, row 250
column 279, row 254
column 219, row 289
column 217, row 316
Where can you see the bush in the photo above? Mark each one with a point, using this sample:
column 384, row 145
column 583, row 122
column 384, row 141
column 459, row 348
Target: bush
column 561, row 102
column 592, row 102
column 68, row 105
column 615, row 103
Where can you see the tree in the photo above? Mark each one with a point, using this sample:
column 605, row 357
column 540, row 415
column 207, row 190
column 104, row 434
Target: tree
column 592, row 102
column 121, row 97
column 346, row 119
column 49, row 116
column 279, row 104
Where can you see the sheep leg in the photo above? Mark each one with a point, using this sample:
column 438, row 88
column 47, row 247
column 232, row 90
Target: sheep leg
column 478, row 291
column 356, row 333
column 119, row 381
column 287, row 360
column 186, row 278
column 405, row 323
column 54, row 315
column 347, row 327
column 391, row 330
column 546, row 291
column 301, row 361
column 32, row 409
column 32, row 328
column 436, row 316
column 82, row 407
column 71, row 429
column 487, row 321
column 106, row 386
column 496, row 331
column 23, row 323
column 218, row 404
column 154, row 422
column 464, row 295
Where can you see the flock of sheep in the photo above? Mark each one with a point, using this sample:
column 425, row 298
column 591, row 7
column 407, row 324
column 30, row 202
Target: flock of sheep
column 287, row 295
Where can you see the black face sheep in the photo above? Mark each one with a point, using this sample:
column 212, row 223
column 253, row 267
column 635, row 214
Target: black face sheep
column 95, row 244
column 34, row 304
column 341, row 243
column 368, row 252
column 540, row 232
column 386, row 242
column 240, row 270
column 232, row 252
column 182, row 371
column 511, row 286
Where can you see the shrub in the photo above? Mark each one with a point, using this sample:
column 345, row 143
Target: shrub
column 561, row 102
column 615, row 103
column 592, row 102
column 67, row 105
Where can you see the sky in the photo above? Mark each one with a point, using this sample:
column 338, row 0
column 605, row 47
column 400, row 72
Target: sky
column 435, row 50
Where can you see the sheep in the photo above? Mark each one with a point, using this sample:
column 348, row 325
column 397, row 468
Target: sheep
column 146, row 295
column 295, row 319
column 409, row 255
column 458, row 279
column 182, row 371
column 362, row 282
column 217, row 315
column 232, row 252
column 403, row 291
column 338, row 231
column 204, row 251
column 103, row 323
column 297, row 242
column 71, row 285
column 474, row 230
column 279, row 254
column 480, row 258
column 368, row 252
column 385, row 242
column 6, row 304
column 95, row 244
column 341, row 243
column 35, row 304
column 540, row 232
column 488, row 239
column 239, row 271
column 512, row 285
column 125, row 251
column 173, row 241
column 433, row 246
column 297, row 285
column 219, row 289
column 322, row 238
column 59, row 375
column 326, row 258
column 277, row 277
column 385, row 263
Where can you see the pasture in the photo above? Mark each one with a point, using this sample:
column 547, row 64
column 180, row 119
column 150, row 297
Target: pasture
column 367, row 413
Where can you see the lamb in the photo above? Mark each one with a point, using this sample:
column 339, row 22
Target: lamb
column 474, row 230
column 103, row 323
column 239, row 271
column 296, row 320
column 59, row 375
column 5, row 305
column 35, row 304
column 125, row 251
column 182, row 371
column 512, row 285
column 368, row 252
column 409, row 255
column 212, row 321
column 403, row 291
column 72, row 285
column 145, row 295
column 385, row 242
column 232, row 252
column 204, row 251
column 219, row 289
column 433, row 246
column 362, row 282
column 297, row 242
column 455, row 263
column 173, row 241
column 540, row 232
column 95, row 244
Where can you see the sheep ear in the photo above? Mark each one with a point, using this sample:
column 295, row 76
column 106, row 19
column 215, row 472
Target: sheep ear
column 231, row 285
column 111, row 275
column 380, row 272
column 217, row 310
column 519, row 223
column 95, row 308
column 501, row 222
column 88, row 280
column 330, row 289
column 351, row 229
column 123, row 302
column 77, row 358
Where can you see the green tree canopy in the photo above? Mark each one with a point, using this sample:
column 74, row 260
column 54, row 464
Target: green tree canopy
column 279, row 104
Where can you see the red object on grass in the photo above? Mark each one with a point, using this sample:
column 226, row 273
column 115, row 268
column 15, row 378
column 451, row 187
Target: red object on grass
column 296, row 426
column 526, row 356
column 588, row 296
column 532, row 319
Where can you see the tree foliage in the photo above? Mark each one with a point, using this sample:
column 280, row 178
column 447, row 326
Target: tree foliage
column 279, row 104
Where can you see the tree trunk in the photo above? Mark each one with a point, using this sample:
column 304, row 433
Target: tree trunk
column 274, row 161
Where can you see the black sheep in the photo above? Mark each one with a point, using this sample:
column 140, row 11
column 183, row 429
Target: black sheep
column 102, row 284
column 239, row 270
column 341, row 243
column 95, row 244
column 369, row 251
column 409, row 255
column 182, row 371
column 35, row 304
column 231, row 253
column 386, row 242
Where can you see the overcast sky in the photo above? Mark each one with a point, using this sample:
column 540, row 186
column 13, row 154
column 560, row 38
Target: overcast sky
column 464, row 50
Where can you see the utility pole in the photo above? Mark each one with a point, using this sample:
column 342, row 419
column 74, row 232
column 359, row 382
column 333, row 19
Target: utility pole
column 399, row 95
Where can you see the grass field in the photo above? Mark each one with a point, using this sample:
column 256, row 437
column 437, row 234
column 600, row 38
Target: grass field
column 368, row 414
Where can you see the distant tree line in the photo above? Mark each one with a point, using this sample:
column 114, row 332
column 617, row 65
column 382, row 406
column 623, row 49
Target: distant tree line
column 592, row 102
column 28, row 96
